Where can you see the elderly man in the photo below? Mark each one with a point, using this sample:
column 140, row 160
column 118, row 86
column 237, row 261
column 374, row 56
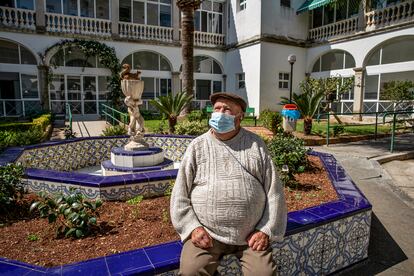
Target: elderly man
column 227, row 198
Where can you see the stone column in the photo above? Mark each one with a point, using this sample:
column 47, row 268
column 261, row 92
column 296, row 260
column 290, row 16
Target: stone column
column 361, row 15
column 175, row 21
column 43, row 86
column 115, row 18
column 40, row 16
column 358, row 93
column 175, row 82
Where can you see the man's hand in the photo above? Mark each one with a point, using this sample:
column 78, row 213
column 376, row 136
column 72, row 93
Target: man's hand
column 258, row 241
column 201, row 238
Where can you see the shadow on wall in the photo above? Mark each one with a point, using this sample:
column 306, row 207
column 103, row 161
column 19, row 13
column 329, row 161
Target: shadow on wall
column 236, row 74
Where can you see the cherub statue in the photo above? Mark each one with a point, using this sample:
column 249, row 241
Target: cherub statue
column 136, row 124
column 127, row 75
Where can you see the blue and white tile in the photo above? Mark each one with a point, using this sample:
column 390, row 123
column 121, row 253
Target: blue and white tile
column 287, row 255
column 229, row 266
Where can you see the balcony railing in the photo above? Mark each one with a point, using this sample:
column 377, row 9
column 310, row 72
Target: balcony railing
column 208, row 39
column 17, row 18
column 344, row 27
column 60, row 23
column 391, row 15
column 145, row 32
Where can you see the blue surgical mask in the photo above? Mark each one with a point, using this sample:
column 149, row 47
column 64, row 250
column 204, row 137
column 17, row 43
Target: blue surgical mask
column 222, row 122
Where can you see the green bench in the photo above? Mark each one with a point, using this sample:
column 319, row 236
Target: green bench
column 248, row 114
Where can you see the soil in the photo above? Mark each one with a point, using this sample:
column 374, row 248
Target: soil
column 123, row 227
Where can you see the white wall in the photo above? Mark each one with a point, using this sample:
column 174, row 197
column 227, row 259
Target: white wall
column 282, row 21
column 274, row 60
column 244, row 24
column 245, row 60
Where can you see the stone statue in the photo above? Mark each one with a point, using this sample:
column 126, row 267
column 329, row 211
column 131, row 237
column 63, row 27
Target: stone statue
column 132, row 87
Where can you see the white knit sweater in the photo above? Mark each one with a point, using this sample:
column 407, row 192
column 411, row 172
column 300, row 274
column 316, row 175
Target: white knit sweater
column 213, row 190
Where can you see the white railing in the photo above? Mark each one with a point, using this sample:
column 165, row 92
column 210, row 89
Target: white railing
column 394, row 14
column 343, row 27
column 60, row 23
column 18, row 18
column 208, row 39
column 146, row 32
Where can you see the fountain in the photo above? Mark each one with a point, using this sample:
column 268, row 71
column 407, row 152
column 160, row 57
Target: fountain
column 136, row 155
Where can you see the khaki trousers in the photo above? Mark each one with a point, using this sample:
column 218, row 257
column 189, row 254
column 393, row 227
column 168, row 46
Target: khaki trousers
column 197, row 261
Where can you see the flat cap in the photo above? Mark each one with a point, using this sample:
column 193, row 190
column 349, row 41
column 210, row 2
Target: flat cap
column 230, row 96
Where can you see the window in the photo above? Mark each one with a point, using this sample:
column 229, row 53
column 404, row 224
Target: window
column 393, row 52
column 284, row 80
column 145, row 60
column 73, row 57
column 242, row 4
column 285, row 3
column 339, row 11
column 149, row 12
column 20, row 4
column 155, row 87
column 334, row 60
column 240, row 81
column 209, row 18
column 19, row 94
column 84, row 8
column 15, row 53
column 203, row 64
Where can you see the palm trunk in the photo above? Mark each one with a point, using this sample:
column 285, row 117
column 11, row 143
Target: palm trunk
column 307, row 125
column 172, row 121
column 187, row 43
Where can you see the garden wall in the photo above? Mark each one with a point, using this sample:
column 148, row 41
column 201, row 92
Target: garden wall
column 319, row 240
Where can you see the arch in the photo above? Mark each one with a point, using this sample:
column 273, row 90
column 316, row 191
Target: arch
column 339, row 59
column 371, row 53
column 164, row 62
column 32, row 57
column 214, row 62
column 59, row 57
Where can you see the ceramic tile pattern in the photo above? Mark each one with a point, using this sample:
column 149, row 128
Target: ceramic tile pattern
column 319, row 240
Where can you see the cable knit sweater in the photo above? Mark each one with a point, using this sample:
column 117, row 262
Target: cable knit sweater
column 213, row 190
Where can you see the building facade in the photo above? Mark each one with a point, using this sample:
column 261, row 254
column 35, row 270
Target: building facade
column 240, row 46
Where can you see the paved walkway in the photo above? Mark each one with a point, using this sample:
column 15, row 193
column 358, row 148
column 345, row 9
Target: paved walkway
column 387, row 186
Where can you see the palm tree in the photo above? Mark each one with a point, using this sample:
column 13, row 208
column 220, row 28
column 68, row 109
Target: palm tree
column 308, row 103
column 172, row 106
column 187, row 8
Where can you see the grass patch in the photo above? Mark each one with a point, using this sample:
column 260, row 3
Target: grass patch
column 319, row 128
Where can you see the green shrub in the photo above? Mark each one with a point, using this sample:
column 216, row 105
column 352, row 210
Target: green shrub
column 271, row 120
column 150, row 115
column 338, row 130
column 135, row 200
column 288, row 150
column 191, row 128
column 196, row 115
column 10, row 185
column 114, row 131
column 42, row 121
column 72, row 214
column 20, row 138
